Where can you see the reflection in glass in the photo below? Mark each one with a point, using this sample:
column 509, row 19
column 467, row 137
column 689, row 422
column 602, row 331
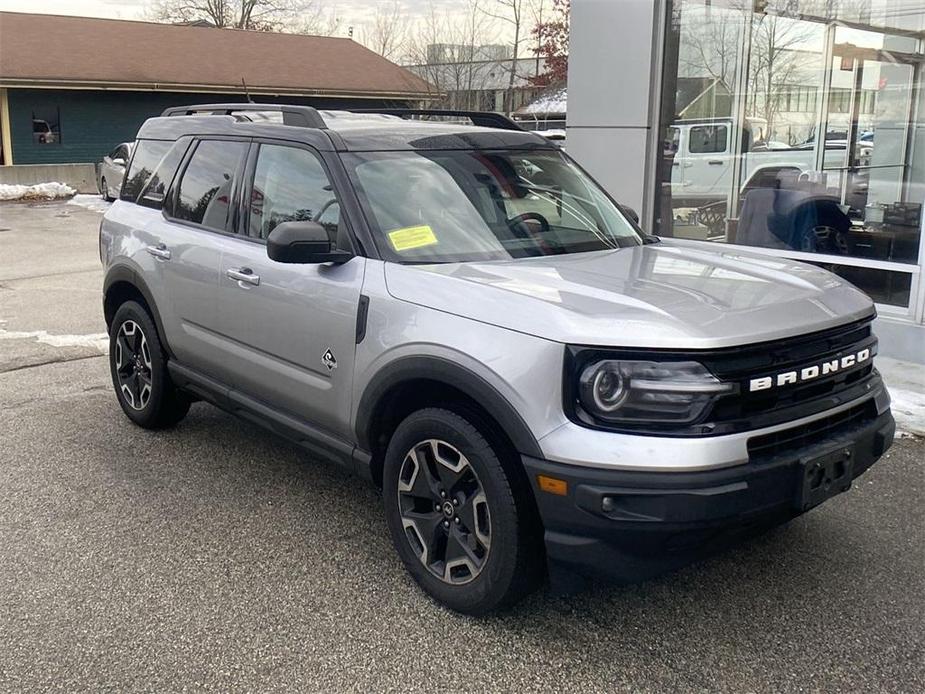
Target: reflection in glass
column 796, row 125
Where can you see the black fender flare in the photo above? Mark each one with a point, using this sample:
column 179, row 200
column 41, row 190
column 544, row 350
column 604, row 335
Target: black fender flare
column 126, row 273
column 452, row 374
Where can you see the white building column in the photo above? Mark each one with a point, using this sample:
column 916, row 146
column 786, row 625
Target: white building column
column 613, row 57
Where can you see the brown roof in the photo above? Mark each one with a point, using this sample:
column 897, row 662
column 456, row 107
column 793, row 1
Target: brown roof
column 51, row 49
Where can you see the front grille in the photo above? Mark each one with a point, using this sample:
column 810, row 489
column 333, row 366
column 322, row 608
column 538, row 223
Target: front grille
column 746, row 410
column 812, row 432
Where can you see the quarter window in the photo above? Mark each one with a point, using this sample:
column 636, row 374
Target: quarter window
column 156, row 189
column 290, row 184
column 148, row 155
column 206, row 188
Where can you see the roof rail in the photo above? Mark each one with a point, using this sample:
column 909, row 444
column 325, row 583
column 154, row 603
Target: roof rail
column 301, row 116
column 488, row 119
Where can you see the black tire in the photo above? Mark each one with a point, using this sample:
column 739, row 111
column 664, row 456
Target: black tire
column 513, row 564
column 104, row 190
column 138, row 366
column 824, row 230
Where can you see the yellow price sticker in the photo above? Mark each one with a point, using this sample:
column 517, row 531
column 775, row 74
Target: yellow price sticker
column 412, row 237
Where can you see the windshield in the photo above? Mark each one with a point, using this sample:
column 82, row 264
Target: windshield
column 458, row 206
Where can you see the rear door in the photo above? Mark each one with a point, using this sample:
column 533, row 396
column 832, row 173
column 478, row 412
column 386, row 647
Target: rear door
column 289, row 331
column 186, row 242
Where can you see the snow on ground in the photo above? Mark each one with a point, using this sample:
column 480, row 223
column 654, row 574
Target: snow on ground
column 91, row 202
column 909, row 411
column 38, row 191
column 906, row 383
column 99, row 341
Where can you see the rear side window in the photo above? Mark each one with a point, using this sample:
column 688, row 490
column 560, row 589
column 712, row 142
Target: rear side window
column 148, row 155
column 206, row 187
column 156, row 190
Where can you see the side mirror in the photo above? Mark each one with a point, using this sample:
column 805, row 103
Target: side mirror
column 303, row 242
column 119, row 161
column 631, row 213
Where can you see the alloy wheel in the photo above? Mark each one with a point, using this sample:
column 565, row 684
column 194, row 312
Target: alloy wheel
column 133, row 365
column 444, row 511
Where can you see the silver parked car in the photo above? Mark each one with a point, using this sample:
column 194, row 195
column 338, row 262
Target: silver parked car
column 461, row 315
column 111, row 170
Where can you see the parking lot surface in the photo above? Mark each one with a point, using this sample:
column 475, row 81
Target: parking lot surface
column 216, row 557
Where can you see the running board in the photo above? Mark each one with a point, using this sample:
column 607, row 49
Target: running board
column 307, row 436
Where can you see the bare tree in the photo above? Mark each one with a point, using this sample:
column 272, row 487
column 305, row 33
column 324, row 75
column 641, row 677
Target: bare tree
column 776, row 58
column 386, row 33
column 255, row 15
column 513, row 13
column 445, row 51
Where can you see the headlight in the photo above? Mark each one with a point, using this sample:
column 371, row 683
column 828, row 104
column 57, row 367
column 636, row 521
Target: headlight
column 641, row 392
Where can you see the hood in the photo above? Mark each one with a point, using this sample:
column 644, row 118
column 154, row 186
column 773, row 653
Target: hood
column 658, row 296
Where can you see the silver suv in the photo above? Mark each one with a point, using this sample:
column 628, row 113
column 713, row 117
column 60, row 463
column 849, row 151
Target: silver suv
column 461, row 315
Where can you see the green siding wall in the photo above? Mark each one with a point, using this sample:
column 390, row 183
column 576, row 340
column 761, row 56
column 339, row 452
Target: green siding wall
column 93, row 122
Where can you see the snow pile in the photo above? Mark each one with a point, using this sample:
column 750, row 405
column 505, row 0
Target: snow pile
column 38, row 191
column 906, row 383
column 552, row 102
column 909, row 411
column 90, row 202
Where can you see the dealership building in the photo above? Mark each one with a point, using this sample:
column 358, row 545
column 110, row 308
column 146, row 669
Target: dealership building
column 790, row 128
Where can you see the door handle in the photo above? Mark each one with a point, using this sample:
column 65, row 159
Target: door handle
column 243, row 274
column 715, row 162
column 159, row 251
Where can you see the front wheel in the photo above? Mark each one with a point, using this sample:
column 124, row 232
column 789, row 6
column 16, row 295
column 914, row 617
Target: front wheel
column 461, row 524
column 138, row 365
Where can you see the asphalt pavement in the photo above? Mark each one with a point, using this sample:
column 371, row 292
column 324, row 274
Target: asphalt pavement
column 215, row 557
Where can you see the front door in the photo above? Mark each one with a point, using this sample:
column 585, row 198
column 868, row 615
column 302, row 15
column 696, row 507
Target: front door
column 290, row 330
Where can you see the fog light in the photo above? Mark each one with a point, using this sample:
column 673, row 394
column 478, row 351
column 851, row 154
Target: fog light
column 608, row 504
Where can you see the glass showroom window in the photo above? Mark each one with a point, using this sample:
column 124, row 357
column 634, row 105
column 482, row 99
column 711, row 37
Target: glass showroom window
column 797, row 126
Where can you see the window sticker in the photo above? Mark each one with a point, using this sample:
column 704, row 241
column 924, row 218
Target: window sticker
column 412, row 237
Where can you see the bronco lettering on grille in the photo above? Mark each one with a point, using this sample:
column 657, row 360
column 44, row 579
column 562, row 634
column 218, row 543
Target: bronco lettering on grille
column 808, row 373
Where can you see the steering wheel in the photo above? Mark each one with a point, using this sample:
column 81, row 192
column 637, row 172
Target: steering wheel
column 324, row 208
column 530, row 217
column 537, row 235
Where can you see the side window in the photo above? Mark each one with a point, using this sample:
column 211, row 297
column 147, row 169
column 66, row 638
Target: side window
column 148, row 154
column 289, row 185
column 206, row 187
column 156, row 189
column 707, row 139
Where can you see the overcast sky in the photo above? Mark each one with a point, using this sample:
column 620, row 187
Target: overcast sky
column 350, row 12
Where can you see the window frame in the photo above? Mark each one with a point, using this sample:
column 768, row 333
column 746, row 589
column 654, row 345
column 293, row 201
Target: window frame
column 242, row 209
column 170, row 198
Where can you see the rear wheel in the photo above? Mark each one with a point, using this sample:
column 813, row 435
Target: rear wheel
column 138, row 366
column 460, row 523
column 104, row 190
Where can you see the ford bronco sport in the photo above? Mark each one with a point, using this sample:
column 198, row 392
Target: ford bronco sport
column 460, row 314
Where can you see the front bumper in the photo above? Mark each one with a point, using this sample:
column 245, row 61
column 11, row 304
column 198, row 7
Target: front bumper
column 629, row 525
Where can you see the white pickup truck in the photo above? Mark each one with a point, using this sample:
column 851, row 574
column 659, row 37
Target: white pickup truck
column 703, row 158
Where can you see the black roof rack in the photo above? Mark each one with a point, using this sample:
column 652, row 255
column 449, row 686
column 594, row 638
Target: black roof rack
column 486, row 119
column 302, row 116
